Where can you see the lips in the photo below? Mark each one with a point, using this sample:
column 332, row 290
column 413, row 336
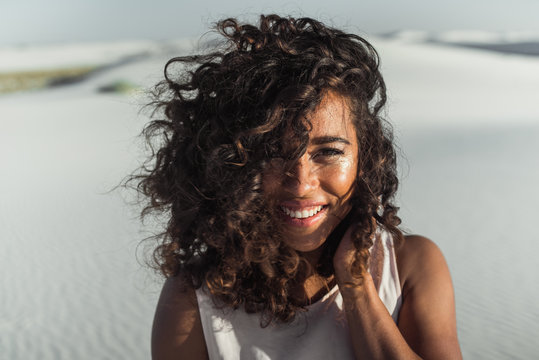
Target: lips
column 302, row 214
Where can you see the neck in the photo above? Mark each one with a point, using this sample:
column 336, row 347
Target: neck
column 312, row 289
column 311, row 286
column 312, row 257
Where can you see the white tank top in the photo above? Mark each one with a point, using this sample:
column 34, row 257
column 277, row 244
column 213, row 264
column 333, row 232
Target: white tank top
column 319, row 333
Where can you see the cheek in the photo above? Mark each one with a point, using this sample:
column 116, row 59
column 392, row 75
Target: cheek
column 339, row 179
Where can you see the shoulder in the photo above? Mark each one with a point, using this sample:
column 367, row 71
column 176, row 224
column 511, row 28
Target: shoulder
column 415, row 256
column 414, row 244
column 427, row 318
column 177, row 330
column 423, row 271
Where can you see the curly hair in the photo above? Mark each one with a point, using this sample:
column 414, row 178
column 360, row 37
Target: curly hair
column 224, row 117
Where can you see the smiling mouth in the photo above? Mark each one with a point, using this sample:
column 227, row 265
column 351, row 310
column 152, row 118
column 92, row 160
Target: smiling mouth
column 304, row 213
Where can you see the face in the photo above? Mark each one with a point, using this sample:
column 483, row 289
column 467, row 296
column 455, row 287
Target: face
column 313, row 197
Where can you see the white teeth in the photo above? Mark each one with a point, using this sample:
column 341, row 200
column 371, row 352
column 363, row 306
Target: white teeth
column 301, row 214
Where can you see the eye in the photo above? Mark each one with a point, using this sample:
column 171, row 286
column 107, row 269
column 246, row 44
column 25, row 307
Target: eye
column 329, row 152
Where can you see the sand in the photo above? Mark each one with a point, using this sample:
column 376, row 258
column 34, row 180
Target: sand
column 74, row 288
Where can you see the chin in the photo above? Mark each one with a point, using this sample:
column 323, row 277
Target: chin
column 305, row 243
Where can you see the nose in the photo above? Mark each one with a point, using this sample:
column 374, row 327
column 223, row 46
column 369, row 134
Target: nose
column 301, row 179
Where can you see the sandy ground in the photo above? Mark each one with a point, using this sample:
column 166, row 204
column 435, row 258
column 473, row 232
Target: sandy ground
column 468, row 123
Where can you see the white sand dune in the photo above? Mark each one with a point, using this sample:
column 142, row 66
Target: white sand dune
column 73, row 288
column 62, row 55
column 433, row 85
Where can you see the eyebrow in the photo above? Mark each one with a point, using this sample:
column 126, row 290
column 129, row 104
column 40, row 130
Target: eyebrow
column 328, row 139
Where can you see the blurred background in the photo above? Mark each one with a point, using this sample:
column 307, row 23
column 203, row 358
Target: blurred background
column 463, row 80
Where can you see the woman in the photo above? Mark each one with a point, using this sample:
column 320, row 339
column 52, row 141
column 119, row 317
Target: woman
column 276, row 174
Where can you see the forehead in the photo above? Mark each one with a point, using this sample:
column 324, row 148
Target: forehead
column 332, row 117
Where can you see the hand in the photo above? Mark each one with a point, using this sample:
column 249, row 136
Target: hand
column 342, row 262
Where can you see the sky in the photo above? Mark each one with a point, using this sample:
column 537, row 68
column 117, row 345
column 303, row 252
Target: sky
column 40, row 21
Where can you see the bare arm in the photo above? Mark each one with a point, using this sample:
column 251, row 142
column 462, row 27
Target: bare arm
column 427, row 319
column 177, row 330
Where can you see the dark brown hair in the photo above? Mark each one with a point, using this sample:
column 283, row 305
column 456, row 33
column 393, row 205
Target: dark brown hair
column 224, row 116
